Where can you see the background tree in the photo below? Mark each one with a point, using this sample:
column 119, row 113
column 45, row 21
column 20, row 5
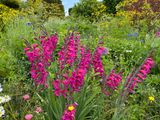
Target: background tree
column 111, row 5
column 11, row 3
column 91, row 9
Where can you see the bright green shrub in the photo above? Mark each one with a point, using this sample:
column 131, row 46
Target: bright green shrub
column 12, row 43
column 140, row 11
column 6, row 15
column 44, row 10
column 91, row 9
column 111, row 5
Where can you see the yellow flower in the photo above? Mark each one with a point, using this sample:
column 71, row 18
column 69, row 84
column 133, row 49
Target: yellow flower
column 71, row 107
column 151, row 98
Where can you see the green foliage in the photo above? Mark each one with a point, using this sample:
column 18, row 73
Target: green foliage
column 127, row 38
column 140, row 11
column 90, row 9
column 11, row 3
column 6, row 15
column 44, row 10
column 12, row 44
column 111, row 5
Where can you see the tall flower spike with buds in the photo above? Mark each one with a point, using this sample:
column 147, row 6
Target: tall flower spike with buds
column 97, row 62
column 68, row 52
column 69, row 113
column 78, row 75
column 76, row 80
column 113, row 80
column 40, row 57
column 140, row 75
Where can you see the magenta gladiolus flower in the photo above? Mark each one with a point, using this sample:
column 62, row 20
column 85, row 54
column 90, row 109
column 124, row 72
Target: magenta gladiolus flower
column 134, row 79
column 40, row 57
column 68, row 52
column 69, row 113
column 28, row 117
column 76, row 80
column 113, row 80
column 58, row 90
column 97, row 62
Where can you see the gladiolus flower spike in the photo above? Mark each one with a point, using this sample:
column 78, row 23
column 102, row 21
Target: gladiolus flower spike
column 134, row 79
column 40, row 56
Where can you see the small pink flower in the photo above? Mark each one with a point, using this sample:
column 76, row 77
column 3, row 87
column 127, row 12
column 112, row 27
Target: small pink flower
column 28, row 117
column 26, row 97
column 158, row 33
column 38, row 110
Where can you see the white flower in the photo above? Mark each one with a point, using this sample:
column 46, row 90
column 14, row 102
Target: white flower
column 1, row 89
column 2, row 111
column 128, row 50
column 7, row 98
column 2, row 99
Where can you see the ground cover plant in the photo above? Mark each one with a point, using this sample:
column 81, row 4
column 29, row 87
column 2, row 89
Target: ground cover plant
column 102, row 63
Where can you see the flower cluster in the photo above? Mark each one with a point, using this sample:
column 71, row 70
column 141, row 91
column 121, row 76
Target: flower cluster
column 113, row 80
column 68, row 52
column 69, row 113
column 40, row 57
column 76, row 80
column 97, row 62
column 3, row 99
column 48, row 46
column 110, row 82
column 138, row 77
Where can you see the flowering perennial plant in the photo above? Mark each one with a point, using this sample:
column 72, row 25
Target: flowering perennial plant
column 74, row 61
column 76, row 80
column 113, row 80
column 3, row 99
column 97, row 62
column 68, row 52
column 138, row 77
column 40, row 57
column 69, row 113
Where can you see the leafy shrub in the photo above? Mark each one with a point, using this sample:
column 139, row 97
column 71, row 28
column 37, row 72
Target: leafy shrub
column 139, row 10
column 43, row 10
column 12, row 44
column 111, row 5
column 90, row 9
column 6, row 15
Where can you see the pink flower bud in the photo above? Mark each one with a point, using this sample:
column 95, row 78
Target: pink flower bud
column 26, row 97
column 38, row 109
column 28, row 117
